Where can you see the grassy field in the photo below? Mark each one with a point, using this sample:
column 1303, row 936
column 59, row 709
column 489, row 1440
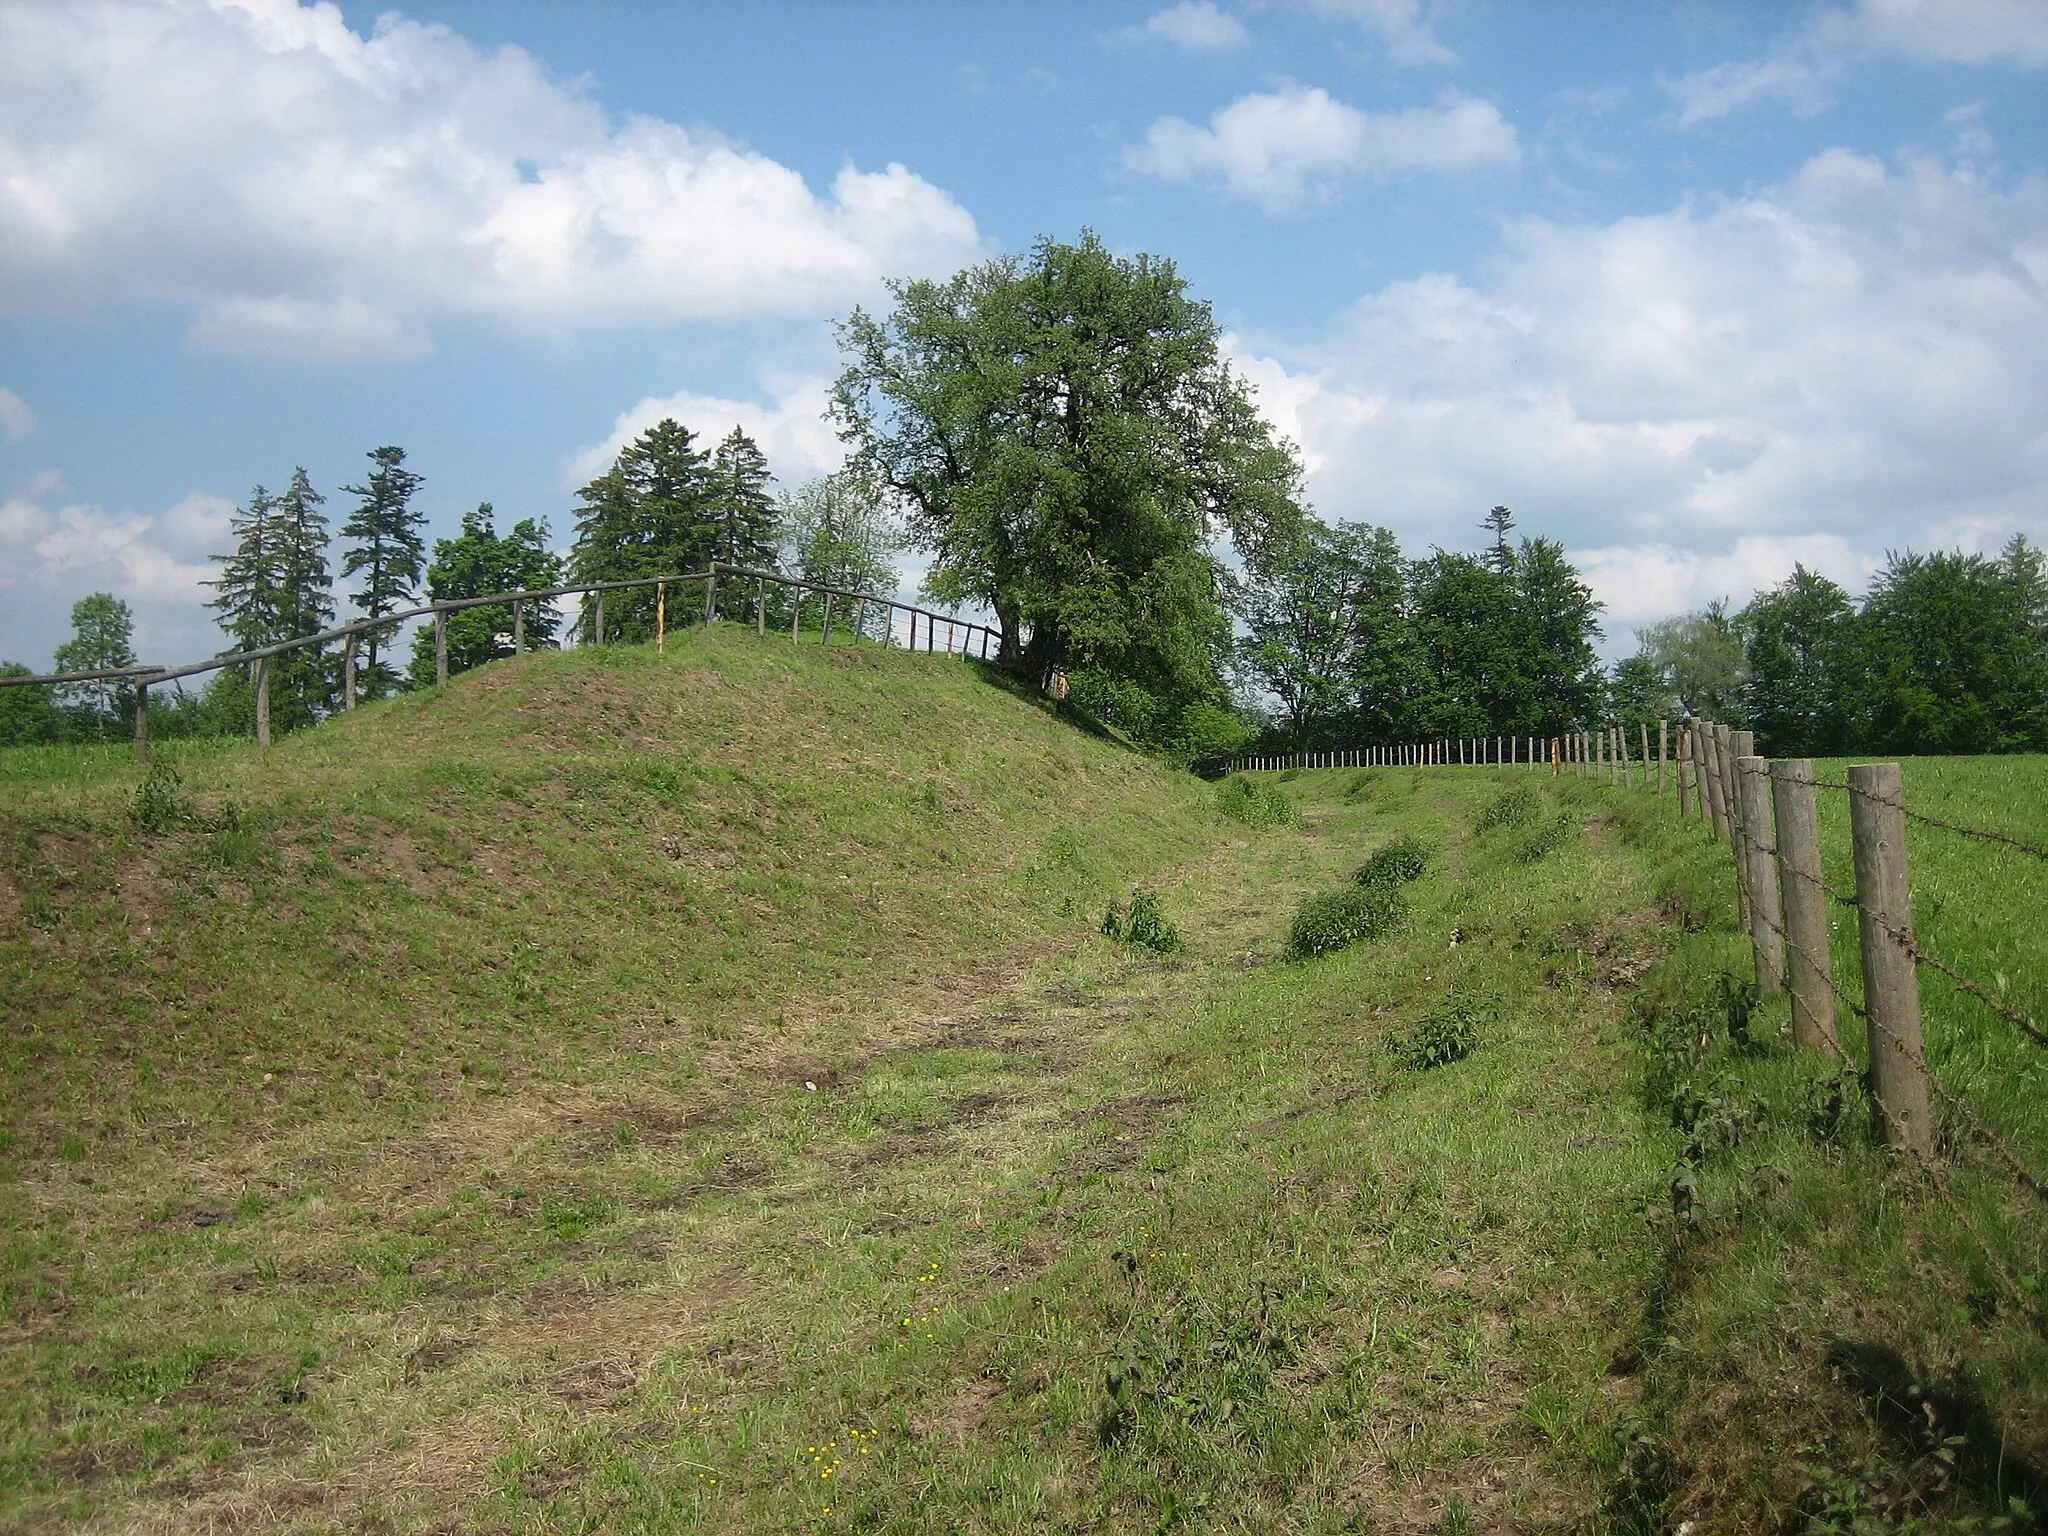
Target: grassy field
column 656, row 1094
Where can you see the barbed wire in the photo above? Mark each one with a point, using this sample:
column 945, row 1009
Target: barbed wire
column 2034, row 850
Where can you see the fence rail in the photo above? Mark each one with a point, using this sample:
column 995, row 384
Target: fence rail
column 1602, row 752
column 962, row 635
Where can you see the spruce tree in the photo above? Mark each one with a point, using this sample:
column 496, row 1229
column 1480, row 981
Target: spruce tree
column 388, row 552
column 275, row 587
column 1500, row 522
column 477, row 564
column 251, row 579
column 650, row 514
column 740, row 504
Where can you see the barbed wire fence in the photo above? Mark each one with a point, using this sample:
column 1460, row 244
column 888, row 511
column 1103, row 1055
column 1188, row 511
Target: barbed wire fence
column 866, row 616
column 1602, row 752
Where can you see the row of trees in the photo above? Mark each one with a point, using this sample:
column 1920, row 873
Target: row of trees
column 1944, row 653
column 1358, row 643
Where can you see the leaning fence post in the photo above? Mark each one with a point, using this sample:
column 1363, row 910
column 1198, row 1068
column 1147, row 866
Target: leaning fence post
column 440, row 644
column 1891, row 985
column 141, row 720
column 1766, row 916
column 825, row 638
column 1807, row 961
column 262, row 668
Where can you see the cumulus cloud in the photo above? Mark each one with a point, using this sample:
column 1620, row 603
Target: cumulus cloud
column 1198, row 25
column 317, row 193
column 792, row 430
column 16, row 419
column 1279, row 147
column 54, row 550
column 1842, row 363
column 1802, row 67
column 1402, row 25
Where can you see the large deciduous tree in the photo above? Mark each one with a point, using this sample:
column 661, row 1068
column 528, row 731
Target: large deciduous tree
column 387, row 555
column 1069, row 442
column 1311, row 616
column 1700, row 657
column 1799, row 691
column 102, row 638
column 478, row 563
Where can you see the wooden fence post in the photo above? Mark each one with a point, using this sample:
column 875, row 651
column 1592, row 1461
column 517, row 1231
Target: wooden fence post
column 597, row 634
column 761, row 607
column 711, row 595
column 1737, row 745
column 1643, row 740
column 262, row 668
column 1891, row 984
column 1807, row 962
column 796, row 613
column 1621, row 758
column 141, row 721
column 348, row 671
column 660, row 618
column 825, row 635
column 440, row 644
column 1686, row 806
column 518, row 626
column 1760, row 853
column 1663, row 750
column 1707, row 750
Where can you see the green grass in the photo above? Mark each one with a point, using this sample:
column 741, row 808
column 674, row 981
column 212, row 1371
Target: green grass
column 698, row 1100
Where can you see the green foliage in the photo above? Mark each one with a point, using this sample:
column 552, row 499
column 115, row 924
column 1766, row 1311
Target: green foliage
column 475, row 564
column 158, row 807
column 1400, row 860
column 1068, row 441
column 1548, row 838
column 1637, row 695
column 1256, row 803
column 102, row 636
column 1443, row 1035
column 1144, row 924
column 386, row 557
column 1515, row 807
column 1699, row 657
column 838, row 531
column 1337, row 919
column 27, row 715
column 1801, row 638
column 274, row 586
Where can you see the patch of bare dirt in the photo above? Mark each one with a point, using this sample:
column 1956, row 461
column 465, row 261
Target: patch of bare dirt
column 960, row 1415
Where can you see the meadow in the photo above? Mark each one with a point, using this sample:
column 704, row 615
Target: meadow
column 693, row 1093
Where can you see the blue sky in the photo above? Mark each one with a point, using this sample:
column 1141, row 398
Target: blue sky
column 1698, row 289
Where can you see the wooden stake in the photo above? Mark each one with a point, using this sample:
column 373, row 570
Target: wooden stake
column 1760, row 852
column 261, row 665
column 518, row 626
column 761, row 607
column 141, row 721
column 660, row 618
column 440, row 644
column 1663, row 751
column 1808, row 964
column 1736, row 745
column 1891, row 984
column 1688, row 798
column 348, row 672
column 1707, row 750
column 598, row 632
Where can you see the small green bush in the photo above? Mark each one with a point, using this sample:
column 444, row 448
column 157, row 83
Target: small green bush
column 1145, row 925
column 1516, row 807
column 1245, row 799
column 1547, row 839
column 1400, row 861
column 1439, row 1037
column 158, row 807
column 1337, row 919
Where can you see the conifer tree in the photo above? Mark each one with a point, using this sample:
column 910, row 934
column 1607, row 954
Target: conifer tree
column 650, row 514
column 744, row 512
column 388, row 552
column 250, row 583
column 275, row 587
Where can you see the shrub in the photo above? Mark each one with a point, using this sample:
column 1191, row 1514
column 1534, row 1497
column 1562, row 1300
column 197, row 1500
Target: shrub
column 1547, row 839
column 1516, row 807
column 1439, row 1037
column 158, row 807
column 1245, row 799
column 1402, row 860
column 1336, row 919
column 1145, row 925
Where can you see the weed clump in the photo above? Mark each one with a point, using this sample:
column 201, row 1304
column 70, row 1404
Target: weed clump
column 158, row 807
column 1144, row 924
column 1547, row 839
column 1400, row 861
column 1337, row 919
column 1245, row 799
column 1516, row 807
column 1439, row 1037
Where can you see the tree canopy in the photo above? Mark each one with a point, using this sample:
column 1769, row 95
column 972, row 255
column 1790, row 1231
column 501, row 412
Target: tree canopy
column 1068, row 442
column 477, row 563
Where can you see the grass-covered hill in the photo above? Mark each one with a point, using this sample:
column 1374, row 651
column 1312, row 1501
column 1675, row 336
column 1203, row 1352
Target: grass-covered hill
column 690, row 1093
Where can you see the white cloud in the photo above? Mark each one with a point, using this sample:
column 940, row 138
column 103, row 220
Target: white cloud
column 1802, row 67
column 1844, row 363
column 316, row 193
column 16, row 419
column 1643, row 583
column 1198, row 25
column 1401, row 24
column 1278, row 147
column 54, row 551
column 792, row 431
